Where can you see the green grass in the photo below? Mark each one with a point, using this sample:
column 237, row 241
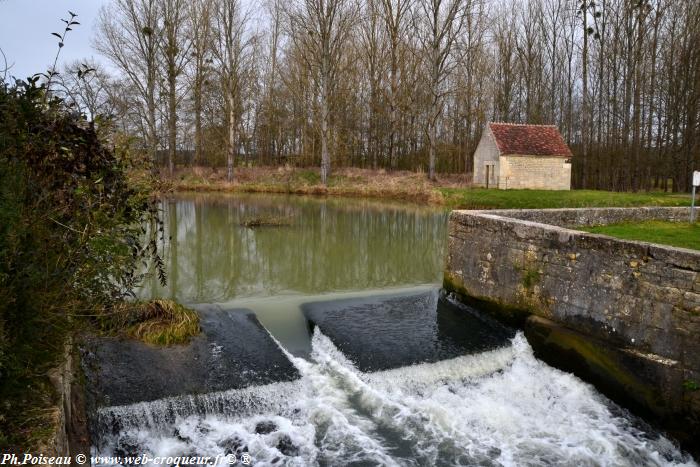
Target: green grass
column 680, row 234
column 479, row 198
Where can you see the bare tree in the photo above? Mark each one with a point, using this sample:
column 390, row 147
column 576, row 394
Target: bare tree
column 321, row 28
column 233, row 51
column 85, row 85
column 372, row 52
column 273, row 143
column 200, row 30
column 395, row 16
column 5, row 66
column 439, row 24
column 128, row 34
column 471, row 100
column 175, row 47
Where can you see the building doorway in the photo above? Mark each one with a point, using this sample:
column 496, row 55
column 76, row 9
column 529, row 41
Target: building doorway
column 490, row 174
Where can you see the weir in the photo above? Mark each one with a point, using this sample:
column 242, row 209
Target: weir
column 233, row 351
column 385, row 332
column 460, row 401
column 479, row 409
column 367, row 362
column 624, row 315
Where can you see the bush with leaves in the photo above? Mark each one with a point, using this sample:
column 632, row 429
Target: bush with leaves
column 72, row 237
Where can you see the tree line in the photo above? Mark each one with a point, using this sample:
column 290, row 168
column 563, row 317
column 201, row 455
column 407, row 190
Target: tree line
column 403, row 84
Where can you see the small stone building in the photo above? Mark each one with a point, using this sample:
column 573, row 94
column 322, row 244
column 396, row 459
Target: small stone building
column 522, row 156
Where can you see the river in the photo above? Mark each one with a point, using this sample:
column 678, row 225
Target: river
column 388, row 370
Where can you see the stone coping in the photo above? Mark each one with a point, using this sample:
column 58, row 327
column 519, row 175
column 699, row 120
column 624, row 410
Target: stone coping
column 571, row 217
column 489, row 251
column 563, row 222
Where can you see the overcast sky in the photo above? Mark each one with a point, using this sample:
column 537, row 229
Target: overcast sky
column 26, row 27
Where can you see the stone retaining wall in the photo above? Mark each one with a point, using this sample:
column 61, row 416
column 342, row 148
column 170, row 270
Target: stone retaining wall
column 70, row 435
column 623, row 314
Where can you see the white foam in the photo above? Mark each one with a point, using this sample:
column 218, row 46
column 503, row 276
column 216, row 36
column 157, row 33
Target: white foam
column 502, row 407
column 236, row 402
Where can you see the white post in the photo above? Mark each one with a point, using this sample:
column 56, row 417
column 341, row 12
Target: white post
column 696, row 183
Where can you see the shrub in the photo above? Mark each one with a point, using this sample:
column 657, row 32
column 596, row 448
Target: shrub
column 72, row 239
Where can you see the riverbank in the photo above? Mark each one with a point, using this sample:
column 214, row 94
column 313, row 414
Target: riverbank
column 43, row 406
column 347, row 182
column 451, row 191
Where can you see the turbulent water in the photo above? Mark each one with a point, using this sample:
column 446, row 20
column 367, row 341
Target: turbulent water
column 501, row 407
column 492, row 404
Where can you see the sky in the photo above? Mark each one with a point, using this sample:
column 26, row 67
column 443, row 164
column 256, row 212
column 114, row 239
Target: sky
column 26, row 27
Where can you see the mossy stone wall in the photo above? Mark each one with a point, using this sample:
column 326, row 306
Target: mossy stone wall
column 641, row 300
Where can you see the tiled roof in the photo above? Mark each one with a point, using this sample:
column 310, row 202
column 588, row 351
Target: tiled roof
column 530, row 140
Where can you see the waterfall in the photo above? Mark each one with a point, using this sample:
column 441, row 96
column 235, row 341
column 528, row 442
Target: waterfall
column 500, row 407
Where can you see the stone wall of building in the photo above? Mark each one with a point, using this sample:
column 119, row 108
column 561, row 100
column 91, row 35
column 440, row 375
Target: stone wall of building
column 486, row 153
column 623, row 314
column 534, row 172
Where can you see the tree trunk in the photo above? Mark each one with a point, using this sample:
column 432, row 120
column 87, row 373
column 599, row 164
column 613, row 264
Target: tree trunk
column 198, row 140
column 636, row 104
column 172, row 120
column 325, row 156
column 436, row 102
column 152, row 135
column 432, row 134
column 325, row 113
column 584, row 110
column 392, row 107
column 231, row 152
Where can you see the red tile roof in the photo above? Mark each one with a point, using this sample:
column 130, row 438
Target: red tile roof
column 530, row 140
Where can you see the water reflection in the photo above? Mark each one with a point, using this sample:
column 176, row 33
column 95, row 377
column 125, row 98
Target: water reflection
column 331, row 245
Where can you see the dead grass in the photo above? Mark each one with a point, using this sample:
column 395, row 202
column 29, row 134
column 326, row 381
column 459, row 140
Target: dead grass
column 350, row 182
column 450, row 191
column 156, row 322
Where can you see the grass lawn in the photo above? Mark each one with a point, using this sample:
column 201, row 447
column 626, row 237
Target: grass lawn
column 479, row 198
column 680, row 234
